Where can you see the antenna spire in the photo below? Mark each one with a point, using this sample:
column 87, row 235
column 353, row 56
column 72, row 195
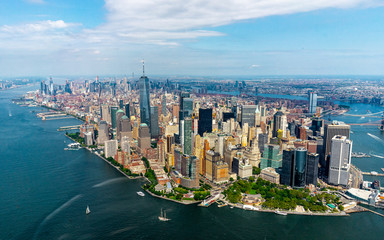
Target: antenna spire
column 143, row 67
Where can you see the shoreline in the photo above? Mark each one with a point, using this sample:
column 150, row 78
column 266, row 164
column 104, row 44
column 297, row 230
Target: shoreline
column 195, row 202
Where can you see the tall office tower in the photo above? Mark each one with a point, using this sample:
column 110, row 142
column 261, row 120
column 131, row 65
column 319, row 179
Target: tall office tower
column 205, row 121
column 263, row 139
column 312, row 99
column 178, row 156
column 187, row 107
column 127, row 110
column 187, row 136
column 331, row 130
column 257, row 117
column 145, row 113
column 124, row 128
column 42, row 87
column 203, row 159
column 121, row 104
column 183, row 95
column 161, row 152
column 248, row 115
column 103, row 132
column 300, row 167
column 253, row 154
column 88, row 138
column 312, row 168
column 317, row 124
column 114, row 110
column 340, row 162
column 119, row 115
column 271, row 157
column 154, row 122
column 279, row 122
column 287, row 171
column 144, row 140
column 125, row 146
column 164, row 105
column 170, row 141
column 110, row 148
column 50, row 86
column 211, row 158
column 105, row 115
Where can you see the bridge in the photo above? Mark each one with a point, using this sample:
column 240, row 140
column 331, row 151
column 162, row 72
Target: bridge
column 69, row 128
column 370, row 115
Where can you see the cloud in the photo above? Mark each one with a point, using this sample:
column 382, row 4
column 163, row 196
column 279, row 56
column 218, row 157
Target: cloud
column 40, row 26
column 254, row 66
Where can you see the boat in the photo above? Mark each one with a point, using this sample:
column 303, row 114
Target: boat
column 73, row 146
column 87, row 211
column 140, row 193
column 163, row 216
column 281, row 213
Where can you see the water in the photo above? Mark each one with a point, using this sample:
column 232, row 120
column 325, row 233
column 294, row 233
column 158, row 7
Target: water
column 44, row 192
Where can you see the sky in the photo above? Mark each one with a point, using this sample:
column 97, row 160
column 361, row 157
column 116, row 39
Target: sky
column 194, row 37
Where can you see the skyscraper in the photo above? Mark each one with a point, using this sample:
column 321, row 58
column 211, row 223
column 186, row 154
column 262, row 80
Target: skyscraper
column 312, row 99
column 248, row 115
column 279, row 122
column 187, row 136
column 144, row 140
column 287, row 167
column 340, row 161
column 164, row 105
column 312, row 168
column 300, row 167
column 145, row 113
column 154, row 122
column 127, row 110
column 331, row 130
column 205, row 121
column 114, row 110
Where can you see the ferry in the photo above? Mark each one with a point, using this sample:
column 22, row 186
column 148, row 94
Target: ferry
column 360, row 155
column 73, row 146
column 281, row 213
column 140, row 193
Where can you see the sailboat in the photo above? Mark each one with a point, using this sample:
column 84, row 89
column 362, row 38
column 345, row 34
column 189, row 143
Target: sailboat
column 163, row 216
column 87, row 211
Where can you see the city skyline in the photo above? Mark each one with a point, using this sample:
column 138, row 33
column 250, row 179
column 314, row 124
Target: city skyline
column 248, row 38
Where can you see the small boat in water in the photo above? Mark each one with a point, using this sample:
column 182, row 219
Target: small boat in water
column 140, row 193
column 87, row 211
column 73, row 146
column 281, row 213
column 163, row 216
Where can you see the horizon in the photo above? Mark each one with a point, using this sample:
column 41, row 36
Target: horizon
column 250, row 38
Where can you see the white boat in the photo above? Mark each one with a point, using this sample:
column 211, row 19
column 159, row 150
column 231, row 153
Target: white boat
column 281, row 213
column 163, row 216
column 87, row 211
column 73, row 146
column 140, row 193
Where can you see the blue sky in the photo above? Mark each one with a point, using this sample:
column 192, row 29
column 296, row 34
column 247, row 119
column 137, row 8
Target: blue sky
column 218, row 37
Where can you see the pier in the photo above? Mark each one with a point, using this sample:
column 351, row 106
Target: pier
column 369, row 210
column 373, row 174
column 69, row 128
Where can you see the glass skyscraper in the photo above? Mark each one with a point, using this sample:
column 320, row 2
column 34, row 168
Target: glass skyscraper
column 145, row 111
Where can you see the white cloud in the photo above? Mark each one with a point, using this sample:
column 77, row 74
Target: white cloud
column 40, row 26
column 255, row 66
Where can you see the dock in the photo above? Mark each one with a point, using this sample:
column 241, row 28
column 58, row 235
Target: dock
column 69, row 128
column 382, row 169
column 373, row 174
column 369, row 210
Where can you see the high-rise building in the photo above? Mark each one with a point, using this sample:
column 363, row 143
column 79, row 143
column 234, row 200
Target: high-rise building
column 105, row 113
column 154, row 122
column 248, row 115
column 110, row 148
column 88, row 138
column 300, row 167
column 253, row 153
column 287, row 167
column 145, row 111
column 127, row 110
column 187, row 107
column 144, row 140
column 124, row 128
column 211, row 158
column 114, row 110
column 228, row 115
column 205, row 121
column 340, row 161
column 312, row 168
column 271, row 157
column 164, row 105
column 279, row 122
column 119, row 115
column 121, row 104
column 187, row 136
column 312, row 99
column 331, row 130
column 103, row 132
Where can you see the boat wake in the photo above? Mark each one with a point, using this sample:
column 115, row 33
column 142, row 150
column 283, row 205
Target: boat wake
column 378, row 156
column 375, row 137
column 52, row 214
column 110, row 181
column 121, row 230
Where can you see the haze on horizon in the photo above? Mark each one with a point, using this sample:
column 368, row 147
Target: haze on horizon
column 250, row 37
